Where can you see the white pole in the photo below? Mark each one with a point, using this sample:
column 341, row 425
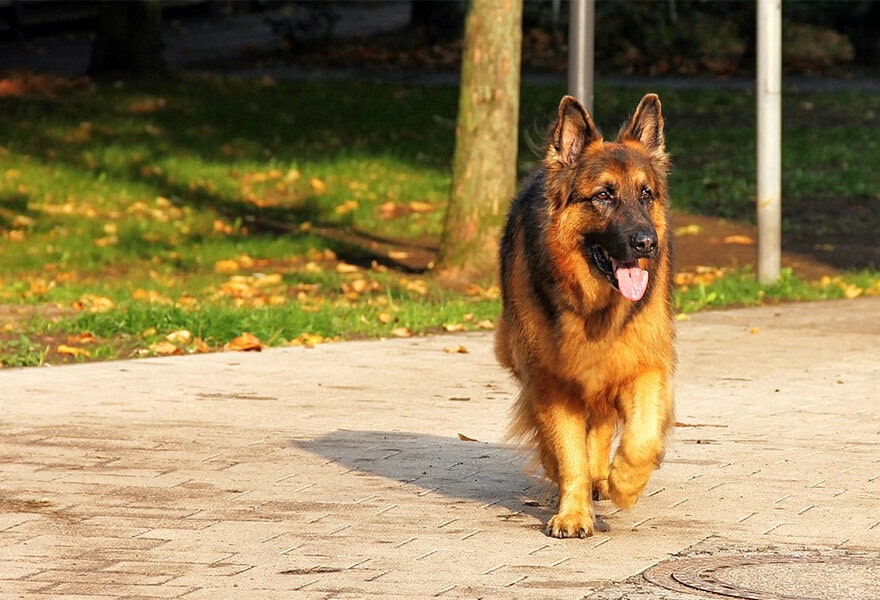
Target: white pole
column 769, row 142
column 581, row 35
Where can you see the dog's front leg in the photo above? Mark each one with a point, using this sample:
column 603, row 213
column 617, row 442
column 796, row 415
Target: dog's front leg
column 647, row 413
column 562, row 437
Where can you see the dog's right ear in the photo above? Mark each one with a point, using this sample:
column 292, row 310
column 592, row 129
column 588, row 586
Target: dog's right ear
column 574, row 131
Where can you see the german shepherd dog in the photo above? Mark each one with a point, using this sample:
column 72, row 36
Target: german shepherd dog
column 587, row 323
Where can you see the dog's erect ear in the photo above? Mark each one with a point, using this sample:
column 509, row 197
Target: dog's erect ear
column 646, row 126
column 574, row 131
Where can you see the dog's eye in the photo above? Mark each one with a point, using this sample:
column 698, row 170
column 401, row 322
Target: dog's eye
column 647, row 195
column 602, row 197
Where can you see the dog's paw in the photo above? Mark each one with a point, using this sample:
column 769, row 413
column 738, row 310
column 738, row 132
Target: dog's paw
column 625, row 485
column 571, row 525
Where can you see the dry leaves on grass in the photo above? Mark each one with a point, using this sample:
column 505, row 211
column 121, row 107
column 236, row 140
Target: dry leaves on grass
column 254, row 290
column 94, row 304
column 45, row 86
column 308, row 340
column 246, row 342
column 73, row 351
column 700, row 275
column 165, row 348
column 151, row 296
column 181, row 336
column 849, row 290
column 391, row 210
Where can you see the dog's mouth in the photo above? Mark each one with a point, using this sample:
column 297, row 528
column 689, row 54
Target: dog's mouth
column 627, row 277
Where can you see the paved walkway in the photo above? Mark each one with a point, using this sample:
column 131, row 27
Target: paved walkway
column 347, row 470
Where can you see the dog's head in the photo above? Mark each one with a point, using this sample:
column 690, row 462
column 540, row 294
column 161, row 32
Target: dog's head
column 609, row 199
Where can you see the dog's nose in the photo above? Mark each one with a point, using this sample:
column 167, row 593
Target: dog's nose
column 644, row 243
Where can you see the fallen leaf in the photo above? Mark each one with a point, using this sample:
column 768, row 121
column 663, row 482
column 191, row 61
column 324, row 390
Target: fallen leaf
column 385, row 318
column 740, row 240
column 684, row 230
column 147, row 105
column 165, row 348
column 181, row 336
column 66, row 350
column 263, row 281
column 81, row 338
column 346, row 207
column 246, row 342
column 221, row 227
column 486, row 324
column 389, row 210
column 453, row 327
column 307, row 340
column 851, row 291
column 401, row 332
column 455, row 350
column 421, row 207
column 318, row 186
column 418, row 286
column 107, row 240
column 94, row 304
column 150, row 296
column 346, row 268
column 465, row 438
column 359, row 286
column 226, row 266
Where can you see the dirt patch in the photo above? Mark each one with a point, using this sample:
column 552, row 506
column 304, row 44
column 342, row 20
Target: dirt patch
column 703, row 241
column 700, row 241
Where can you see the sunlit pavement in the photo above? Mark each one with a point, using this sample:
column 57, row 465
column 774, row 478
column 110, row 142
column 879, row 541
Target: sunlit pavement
column 348, row 470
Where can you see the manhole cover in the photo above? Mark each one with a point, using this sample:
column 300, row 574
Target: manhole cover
column 772, row 577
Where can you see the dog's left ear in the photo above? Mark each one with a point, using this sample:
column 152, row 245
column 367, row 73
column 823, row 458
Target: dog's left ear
column 646, row 126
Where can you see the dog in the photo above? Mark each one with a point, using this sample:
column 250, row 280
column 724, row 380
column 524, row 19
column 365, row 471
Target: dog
column 587, row 323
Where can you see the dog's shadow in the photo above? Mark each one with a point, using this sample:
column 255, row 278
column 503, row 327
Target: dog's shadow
column 486, row 473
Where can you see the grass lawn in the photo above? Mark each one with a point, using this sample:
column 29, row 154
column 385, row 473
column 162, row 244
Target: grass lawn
column 174, row 218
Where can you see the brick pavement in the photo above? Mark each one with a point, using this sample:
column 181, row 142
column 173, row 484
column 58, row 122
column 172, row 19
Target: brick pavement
column 339, row 472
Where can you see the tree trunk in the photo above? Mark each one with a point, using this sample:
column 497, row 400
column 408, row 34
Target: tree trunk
column 128, row 40
column 484, row 166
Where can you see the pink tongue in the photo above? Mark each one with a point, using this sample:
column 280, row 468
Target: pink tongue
column 632, row 282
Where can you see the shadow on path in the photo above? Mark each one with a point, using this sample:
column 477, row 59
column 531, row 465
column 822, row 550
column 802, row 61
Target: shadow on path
column 490, row 474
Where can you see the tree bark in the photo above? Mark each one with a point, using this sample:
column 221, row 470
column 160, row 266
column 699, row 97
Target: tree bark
column 484, row 165
column 128, row 40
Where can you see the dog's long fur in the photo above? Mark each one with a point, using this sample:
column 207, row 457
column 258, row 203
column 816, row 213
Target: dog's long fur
column 590, row 350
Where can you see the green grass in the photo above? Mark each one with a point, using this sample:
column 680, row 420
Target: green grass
column 740, row 288
column 134, row 211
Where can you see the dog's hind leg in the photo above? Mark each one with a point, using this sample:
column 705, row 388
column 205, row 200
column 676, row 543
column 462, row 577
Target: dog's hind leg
column 647, row 414
column 600, row 432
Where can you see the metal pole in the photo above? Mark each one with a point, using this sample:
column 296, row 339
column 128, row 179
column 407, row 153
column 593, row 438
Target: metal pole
column 581, row 35
column 769, row 142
